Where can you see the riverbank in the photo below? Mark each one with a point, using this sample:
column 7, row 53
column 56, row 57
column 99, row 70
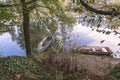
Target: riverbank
column 49, row 66
column 92, row 66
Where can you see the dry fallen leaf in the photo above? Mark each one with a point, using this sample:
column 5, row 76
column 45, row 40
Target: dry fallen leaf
column 18, row 75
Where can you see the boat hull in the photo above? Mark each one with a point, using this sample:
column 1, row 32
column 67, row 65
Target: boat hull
column 97, row 50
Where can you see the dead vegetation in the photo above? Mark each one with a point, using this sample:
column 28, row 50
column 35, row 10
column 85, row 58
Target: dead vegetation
column 92, row 67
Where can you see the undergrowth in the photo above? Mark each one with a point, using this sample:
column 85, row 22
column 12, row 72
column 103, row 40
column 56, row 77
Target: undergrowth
column 28, row 68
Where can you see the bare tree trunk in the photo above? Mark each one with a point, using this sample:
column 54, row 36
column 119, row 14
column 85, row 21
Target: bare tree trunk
column 26, row 28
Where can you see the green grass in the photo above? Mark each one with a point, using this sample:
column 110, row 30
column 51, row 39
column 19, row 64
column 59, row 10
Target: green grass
column 115, row 73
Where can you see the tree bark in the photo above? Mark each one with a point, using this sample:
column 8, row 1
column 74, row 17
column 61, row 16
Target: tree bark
column 112, row 12
column 26, row 25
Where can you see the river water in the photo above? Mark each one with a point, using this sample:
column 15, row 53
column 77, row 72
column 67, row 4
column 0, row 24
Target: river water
column 85, row 36
column 12, row 43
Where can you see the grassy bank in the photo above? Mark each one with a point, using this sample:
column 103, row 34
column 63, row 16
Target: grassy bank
column 23, row 68
column 59, row 67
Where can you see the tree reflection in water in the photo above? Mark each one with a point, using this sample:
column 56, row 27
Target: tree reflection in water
column 12, row 41
column 17, row 35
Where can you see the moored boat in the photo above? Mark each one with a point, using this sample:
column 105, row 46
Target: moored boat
column 98, row 50
column 45, row 43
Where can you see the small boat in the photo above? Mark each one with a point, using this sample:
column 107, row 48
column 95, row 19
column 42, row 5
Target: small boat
column 98, row 50
column 44, row 44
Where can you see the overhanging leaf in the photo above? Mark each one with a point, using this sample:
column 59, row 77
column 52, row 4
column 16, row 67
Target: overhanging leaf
column 102, row 41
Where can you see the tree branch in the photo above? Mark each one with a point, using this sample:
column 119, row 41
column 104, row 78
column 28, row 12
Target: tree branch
column 112, row 12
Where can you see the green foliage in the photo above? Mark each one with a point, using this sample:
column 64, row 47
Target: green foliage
column 6, row 14
column 74, row 75
column 25, row 67
column 116, row 24
column 44, row 8
column 18, row 65
column 90, row 1
column 4, row 78
column 16, row 1
column 53, row 9
column 49, row 77
column 115, row 73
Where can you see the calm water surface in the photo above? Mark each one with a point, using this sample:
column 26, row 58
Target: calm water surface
column 12, row 43
column 84, row 36
column 9, row 44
